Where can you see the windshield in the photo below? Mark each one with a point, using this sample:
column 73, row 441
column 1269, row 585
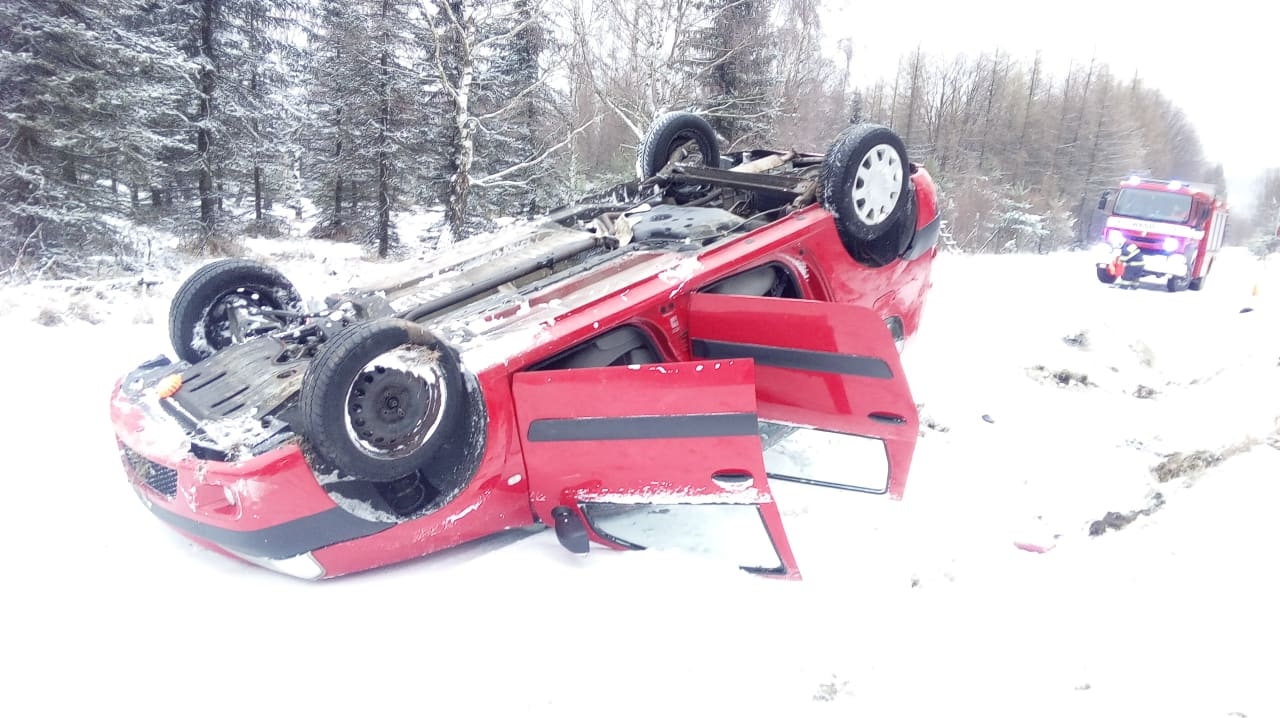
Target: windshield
column 1153, row 205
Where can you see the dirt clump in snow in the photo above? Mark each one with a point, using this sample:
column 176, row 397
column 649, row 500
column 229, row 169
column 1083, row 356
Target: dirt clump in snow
column 1080, row 340
column 832, row 689
column 1060, row 377
column 1144, row 392
column 1192, row 464
column 83, row 311
column 76, row 309
column 1115, row 520
column 1179, row 464
column 49, row 317
column 928, row 422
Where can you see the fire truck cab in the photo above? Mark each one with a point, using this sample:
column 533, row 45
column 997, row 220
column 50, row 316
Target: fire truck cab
column 1167, row 229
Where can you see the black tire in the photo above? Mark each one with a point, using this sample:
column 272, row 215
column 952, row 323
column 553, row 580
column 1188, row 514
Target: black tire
column 195, row 326
column 667, row 134
column 870, row 160
column 1177, row 284
column 891, row 245
column 1198, row 283
column 330, row 404
column 1105, row 276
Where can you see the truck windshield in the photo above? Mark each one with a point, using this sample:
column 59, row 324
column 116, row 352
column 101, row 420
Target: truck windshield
column 1153, row 205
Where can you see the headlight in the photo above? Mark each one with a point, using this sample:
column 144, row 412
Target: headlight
column 1171, row 244
column 1115, row 237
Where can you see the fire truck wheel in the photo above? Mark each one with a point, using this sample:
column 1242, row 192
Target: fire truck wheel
column 381, row 399
column 678, row 137
column 865, row 182
column 1198, row 283
column 1177, row 284
column 209, row 307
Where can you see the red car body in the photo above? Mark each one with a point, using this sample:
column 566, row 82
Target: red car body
column 565, row 447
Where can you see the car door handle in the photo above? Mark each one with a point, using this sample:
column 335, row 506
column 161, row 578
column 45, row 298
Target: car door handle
column 885, row 417
column 734, row 478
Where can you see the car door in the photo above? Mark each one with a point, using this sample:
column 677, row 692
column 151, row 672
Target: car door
column 834, row 406
column 654, row 456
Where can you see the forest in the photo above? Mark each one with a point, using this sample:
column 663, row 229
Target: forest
column 205, row 117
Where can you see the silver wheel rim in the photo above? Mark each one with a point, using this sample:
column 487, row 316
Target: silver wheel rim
column 421, row 364
column 877, row 185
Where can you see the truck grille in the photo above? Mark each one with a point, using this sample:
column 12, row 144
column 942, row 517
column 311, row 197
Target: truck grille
column 158, row 476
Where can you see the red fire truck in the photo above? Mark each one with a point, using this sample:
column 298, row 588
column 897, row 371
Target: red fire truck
column 1161, row 228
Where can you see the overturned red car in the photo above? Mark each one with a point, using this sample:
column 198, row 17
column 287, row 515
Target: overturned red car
column 632, row 370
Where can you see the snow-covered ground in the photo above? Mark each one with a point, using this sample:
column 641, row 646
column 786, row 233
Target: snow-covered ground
column 924, row 607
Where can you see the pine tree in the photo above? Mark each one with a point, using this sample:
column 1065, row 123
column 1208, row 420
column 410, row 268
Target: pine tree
column 362, row 116
column 513, row 102
column 736, row 63
column 72, row 79
column 255, row 117
column 335, row 77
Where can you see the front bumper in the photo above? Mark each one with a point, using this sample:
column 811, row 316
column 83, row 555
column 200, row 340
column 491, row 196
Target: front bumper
column 1173, row 265
column 1152, row 264
column 269, row 509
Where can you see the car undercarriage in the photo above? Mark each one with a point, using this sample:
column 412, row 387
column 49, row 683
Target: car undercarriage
column 395, row 396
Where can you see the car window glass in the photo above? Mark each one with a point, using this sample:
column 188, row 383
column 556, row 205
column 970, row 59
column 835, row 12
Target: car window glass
column 825, row 458
column 733, row 532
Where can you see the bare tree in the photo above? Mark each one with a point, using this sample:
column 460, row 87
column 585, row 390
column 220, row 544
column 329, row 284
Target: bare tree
column 995, row 80
column 468, row 36
column 1033, row 87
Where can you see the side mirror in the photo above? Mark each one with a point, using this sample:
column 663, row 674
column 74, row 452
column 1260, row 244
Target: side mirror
column 1102, row 199
column 571, row 532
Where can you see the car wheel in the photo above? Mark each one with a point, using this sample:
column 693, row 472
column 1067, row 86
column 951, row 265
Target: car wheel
column 891, row 245
column 1198, row 283
column 1177, row 284
column 381, row 398
column 218, row 305
column 677, row 136
column 866, row 184
column 1105, row 276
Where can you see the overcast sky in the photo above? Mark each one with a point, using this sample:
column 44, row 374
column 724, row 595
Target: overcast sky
column 1219, row 60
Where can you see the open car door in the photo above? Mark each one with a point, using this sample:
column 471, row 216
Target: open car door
column 660, row 456
column 835, row 409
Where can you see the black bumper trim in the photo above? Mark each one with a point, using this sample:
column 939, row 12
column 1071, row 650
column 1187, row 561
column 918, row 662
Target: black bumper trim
column 282, row 540
column 924, row 239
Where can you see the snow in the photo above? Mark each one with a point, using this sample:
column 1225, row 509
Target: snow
column 453, row 518
column 682, row 272
column 923, row 607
